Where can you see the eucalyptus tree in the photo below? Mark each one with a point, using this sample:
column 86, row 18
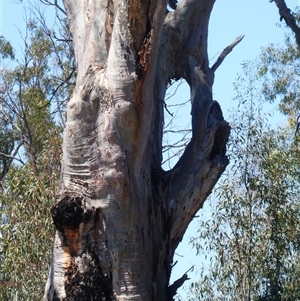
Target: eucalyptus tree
column 251, row 237
column 34, row 86
column 118, row 215
column 280, row 77
column 34, row 89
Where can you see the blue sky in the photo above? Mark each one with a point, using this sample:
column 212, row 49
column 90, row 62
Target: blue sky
column 256, row 19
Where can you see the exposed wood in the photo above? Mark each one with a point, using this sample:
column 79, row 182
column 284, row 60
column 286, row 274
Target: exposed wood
column 119, row 215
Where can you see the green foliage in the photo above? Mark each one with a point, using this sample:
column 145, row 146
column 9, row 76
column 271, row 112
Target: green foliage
column 252, row 238
column 6, row 49
column 280, row 73
column 34, row 89
column 26, row 225
column 33, row 94
column 7, row 139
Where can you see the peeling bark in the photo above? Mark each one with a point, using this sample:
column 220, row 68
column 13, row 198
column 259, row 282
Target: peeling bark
column 119, row 215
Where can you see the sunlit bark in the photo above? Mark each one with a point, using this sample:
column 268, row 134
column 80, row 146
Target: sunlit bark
column 119, row 215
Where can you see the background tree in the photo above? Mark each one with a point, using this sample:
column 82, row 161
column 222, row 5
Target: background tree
column 34, row 88
column 252, row 235
column 242, row 271
column 119, row 216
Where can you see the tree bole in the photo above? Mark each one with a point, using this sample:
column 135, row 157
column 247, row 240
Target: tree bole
column 119, row 215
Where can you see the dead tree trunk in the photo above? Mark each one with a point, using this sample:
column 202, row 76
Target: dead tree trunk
column 119, row 215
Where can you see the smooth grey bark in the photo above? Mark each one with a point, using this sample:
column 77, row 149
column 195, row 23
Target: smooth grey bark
column 119, row 215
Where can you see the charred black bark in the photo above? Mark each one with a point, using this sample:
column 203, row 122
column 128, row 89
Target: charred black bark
column 70, row 212
column 85, row 280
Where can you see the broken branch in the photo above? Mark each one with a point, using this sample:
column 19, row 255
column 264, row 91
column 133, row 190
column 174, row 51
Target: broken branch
column 225, row 52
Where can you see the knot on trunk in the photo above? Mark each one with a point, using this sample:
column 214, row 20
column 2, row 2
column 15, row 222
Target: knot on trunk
column 69, row 212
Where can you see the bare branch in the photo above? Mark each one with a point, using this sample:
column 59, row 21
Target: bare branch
column 64, row 81
column 55, row 4
column 287, row 16
column 204, row 159
column 225, row 52
column 172, row 289
column 11, row 159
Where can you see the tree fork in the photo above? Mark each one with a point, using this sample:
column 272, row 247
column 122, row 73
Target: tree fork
column 119, row 215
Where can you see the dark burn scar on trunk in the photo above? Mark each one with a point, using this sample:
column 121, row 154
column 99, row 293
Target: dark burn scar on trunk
column 222, row 133
column 85, row 280
column 220, row 140
column 69, row 212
